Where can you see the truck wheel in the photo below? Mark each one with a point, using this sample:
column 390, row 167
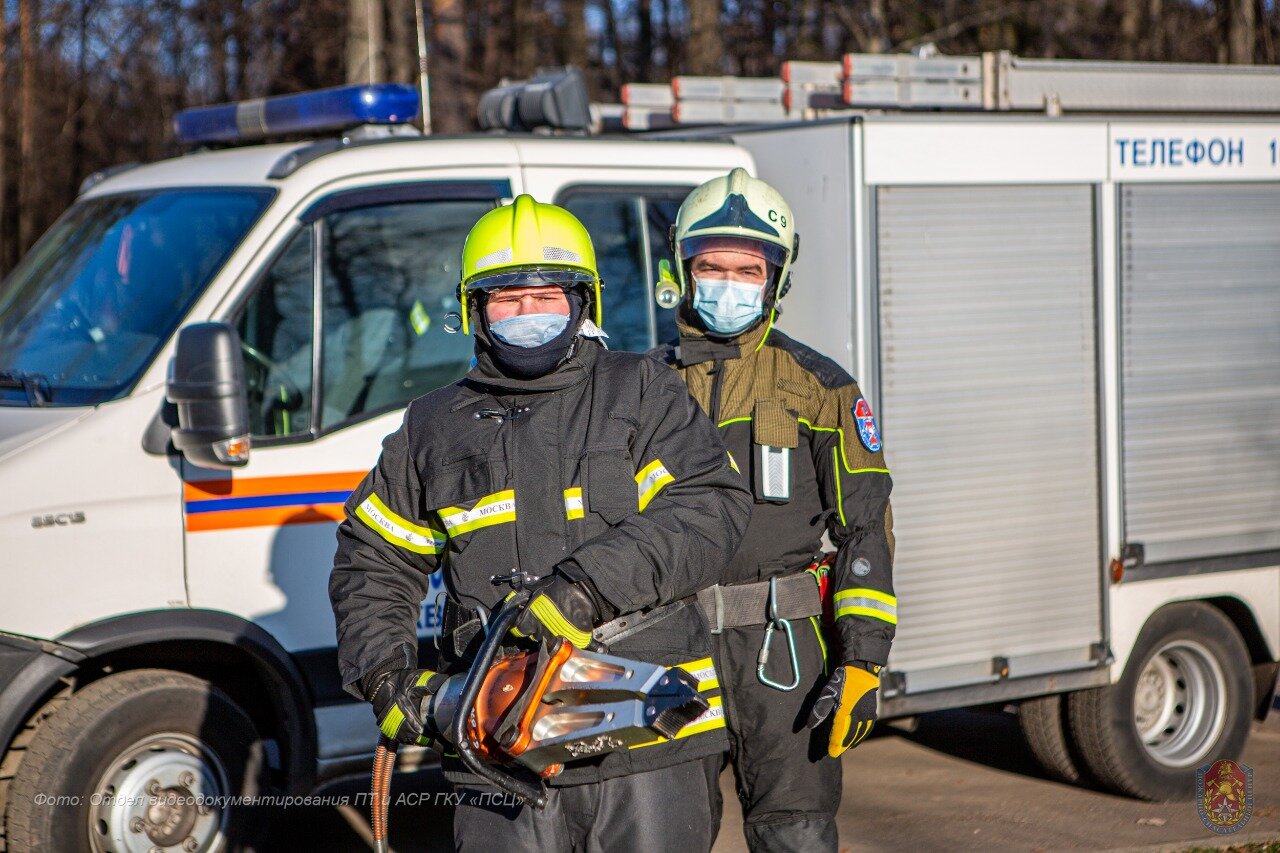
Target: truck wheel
column 1043, row 721
column 1185, row 700
column 138, row 762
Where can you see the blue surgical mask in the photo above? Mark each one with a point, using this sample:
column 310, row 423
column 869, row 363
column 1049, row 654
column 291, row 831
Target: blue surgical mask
column 727, row 307
column 529, row 330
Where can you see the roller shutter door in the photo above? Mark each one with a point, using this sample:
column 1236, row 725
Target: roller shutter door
column 1200, row 307
column 988, row 390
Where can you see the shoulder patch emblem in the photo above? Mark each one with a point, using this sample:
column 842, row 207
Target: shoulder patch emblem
column 868, row 432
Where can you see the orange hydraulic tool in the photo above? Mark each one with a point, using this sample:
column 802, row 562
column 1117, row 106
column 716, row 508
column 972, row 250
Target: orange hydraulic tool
column 519, row 718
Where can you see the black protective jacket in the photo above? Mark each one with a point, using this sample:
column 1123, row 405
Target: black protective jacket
column 808, row 446
column 606, row 464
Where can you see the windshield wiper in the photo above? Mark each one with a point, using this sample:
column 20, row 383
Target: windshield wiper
column 39, row 391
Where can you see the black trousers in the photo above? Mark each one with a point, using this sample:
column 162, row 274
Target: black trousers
column 788, row 786
column 671, row 809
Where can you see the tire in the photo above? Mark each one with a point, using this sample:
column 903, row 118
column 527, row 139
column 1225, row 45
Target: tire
column 94, row 770
column 11, row 760
column 1043, row 721
column 1184, row 701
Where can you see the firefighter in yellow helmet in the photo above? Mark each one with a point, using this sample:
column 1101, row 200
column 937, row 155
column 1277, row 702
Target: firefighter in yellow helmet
column 809, row 449
column 589, row 478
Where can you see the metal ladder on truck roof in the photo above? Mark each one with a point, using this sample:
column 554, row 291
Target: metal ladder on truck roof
column 926, row 80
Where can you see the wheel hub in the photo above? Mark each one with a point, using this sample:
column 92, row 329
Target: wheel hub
column 1179, row 703
column 171, row 817
column 162, row 793
column 1153, row 702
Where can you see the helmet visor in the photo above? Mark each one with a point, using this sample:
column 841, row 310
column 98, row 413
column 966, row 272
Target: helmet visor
column 769, row 252
column 532, row 277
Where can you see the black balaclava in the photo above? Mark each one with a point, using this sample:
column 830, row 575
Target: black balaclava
column 531, row 362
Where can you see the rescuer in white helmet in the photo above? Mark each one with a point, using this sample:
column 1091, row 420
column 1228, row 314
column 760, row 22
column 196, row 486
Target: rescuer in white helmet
column 800, row 636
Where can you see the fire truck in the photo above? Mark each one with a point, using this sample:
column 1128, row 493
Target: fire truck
column 1057, row 282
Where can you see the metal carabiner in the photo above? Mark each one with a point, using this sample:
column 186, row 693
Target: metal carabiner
column 763, row 659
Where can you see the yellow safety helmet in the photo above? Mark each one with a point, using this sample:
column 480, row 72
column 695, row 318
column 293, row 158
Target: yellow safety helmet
column 526, row 244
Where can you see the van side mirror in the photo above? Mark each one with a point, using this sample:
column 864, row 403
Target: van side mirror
column 206, row 382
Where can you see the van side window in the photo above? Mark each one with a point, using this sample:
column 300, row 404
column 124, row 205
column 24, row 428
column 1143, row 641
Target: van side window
column 275, row 334
column 390, row 275
column 628, row 227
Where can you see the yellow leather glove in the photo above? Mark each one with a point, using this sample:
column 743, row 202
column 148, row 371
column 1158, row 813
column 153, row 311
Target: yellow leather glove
column 849, row 698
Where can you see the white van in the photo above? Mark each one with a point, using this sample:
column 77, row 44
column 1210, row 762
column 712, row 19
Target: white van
column 161, row 620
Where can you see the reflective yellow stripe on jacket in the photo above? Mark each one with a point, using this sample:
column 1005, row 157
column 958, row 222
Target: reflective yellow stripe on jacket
column 651, row 480
column 397, row 530
column 573, row 506
column 498, row 508
column 867, row 602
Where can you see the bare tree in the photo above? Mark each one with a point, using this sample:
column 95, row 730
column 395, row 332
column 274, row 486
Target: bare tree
column 613, row 42
column 1242, row 31
column 450, row 99
column 878, row 26
column 402, row 41
column 5, row 260
column 28, row 186
column 525, row 19
column 90, row 83
column 1132, row 18
column 496, row 42
column 705, row 53
column 574, row 32
column 365, row 41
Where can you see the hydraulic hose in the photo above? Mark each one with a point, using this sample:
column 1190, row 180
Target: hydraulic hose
column 384, row 765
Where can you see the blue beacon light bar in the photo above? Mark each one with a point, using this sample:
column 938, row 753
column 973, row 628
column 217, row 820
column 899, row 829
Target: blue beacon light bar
column 308, row 112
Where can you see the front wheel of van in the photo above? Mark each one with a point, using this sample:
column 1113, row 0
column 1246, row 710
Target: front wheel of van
column 137, row 762
column 1184, row 701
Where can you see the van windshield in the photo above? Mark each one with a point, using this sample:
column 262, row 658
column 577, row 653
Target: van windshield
column 88, row 308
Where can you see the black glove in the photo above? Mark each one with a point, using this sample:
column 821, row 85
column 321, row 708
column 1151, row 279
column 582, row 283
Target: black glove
column 399, row 698
column 558, row 607
column 850, row 693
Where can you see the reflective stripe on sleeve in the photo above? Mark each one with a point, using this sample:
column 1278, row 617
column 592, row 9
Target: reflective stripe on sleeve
column 867, row 602
column 399, row 531
column 573, row 507
column 651, row 480
column 498, row 508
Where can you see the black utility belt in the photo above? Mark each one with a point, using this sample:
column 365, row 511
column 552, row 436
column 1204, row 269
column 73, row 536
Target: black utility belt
column 462, row 626
column 795, row 596
column 792, row 597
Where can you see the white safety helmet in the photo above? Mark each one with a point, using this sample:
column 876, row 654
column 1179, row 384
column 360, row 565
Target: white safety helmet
column 734, row 213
